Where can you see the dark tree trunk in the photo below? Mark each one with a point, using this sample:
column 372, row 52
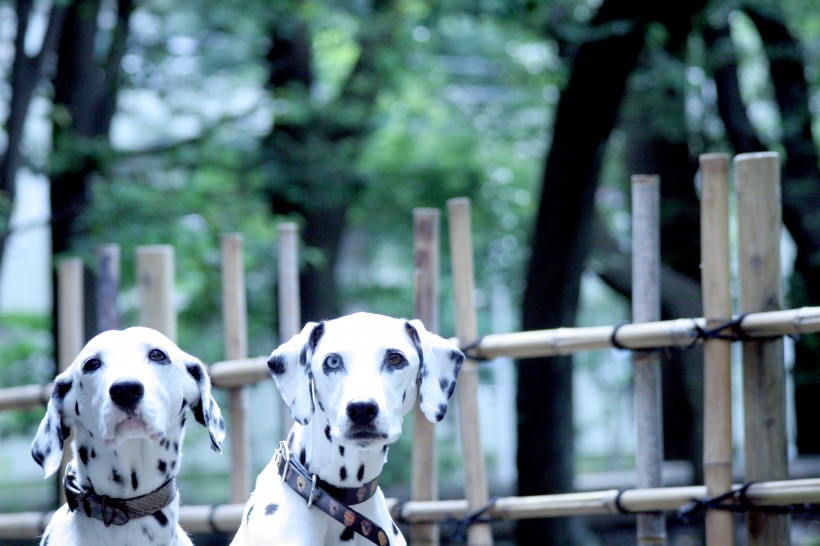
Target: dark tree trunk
column 801, row 214
column 312, row 166
column 586, row 115
column 85, row 91
column 801, row 185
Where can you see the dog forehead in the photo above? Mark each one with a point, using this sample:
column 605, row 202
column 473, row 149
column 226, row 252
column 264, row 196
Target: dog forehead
column 365, row 331
column 136, row 342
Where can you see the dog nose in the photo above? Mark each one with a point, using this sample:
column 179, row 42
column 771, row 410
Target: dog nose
column 126, row 393
column 362, row 412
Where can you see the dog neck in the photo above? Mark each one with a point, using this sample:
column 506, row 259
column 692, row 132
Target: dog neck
column 343, row 464
column 132, row 468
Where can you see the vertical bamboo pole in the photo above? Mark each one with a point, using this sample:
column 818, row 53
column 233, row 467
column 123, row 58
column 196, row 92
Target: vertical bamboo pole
column 155, row 279
column 108, row 287
column 424, row 486
column 757, row 182
column 717, row 353
column 234, row 313
column 71, row 334
column 461, row 254
column 646, row 308
column 70, row 302
column 290, row 308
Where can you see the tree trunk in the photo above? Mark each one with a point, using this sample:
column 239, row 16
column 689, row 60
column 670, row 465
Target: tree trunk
column 312, row 167
column 85, row 91
column 585, row 117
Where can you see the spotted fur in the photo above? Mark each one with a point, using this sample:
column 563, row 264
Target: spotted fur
column 348, row 384
column 121, row 388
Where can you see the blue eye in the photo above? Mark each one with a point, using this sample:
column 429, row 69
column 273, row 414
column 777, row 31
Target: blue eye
column 333, row 361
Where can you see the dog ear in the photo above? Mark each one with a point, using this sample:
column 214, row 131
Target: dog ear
column 289, row 365
column 48, row 444
column 205, row 409
column 439, row 363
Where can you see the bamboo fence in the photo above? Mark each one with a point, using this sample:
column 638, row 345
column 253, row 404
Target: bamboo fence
column 760, row 325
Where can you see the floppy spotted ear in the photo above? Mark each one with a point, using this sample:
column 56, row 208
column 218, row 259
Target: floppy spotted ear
column 48, row 444
column 205, row 409
column 289, row 365
column 439, row 363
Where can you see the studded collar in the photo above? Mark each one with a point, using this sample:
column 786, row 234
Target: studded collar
column 333, row 501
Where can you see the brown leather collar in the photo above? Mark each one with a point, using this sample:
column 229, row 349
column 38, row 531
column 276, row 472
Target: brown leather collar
column 110, row 510
column 333, row 501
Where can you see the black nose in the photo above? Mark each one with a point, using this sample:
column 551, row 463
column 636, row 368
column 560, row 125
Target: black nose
column 363, row 412
column 126, row 393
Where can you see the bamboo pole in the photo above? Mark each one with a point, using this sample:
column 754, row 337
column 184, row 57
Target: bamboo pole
column 757, row 180
column 70, row 302
column 71, row 335
column 646, row 307
column 670, row 333
column 155, row 279
column 424, row 486
column 234, row 314
column 225, row 518
column 717, row 353
column 290, row 307
column 108, row 287
column 461, row 254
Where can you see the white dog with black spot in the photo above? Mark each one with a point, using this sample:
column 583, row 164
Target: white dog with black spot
column 125, row 397
column 348, row 383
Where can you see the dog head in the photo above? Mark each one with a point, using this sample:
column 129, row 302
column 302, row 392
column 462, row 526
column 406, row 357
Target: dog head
column 133, row 383
column 362, row 371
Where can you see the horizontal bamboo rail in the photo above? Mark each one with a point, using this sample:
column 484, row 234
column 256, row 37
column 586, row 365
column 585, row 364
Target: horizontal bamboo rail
column 559, row 341
column 225, row 518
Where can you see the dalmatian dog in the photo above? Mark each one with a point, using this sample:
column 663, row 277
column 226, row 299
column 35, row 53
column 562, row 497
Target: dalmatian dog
column 126, row 398
column 348, row 384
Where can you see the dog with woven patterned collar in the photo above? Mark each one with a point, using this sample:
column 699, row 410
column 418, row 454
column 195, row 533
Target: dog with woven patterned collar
column 348, row 384
column 126, row 397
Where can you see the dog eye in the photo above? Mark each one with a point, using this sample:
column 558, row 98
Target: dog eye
column 333, row 361
column 91, row 364
column 157, row 355
column 394, row 358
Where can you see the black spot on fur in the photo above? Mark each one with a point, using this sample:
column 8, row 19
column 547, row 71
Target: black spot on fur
column 403, row 397
column 38, row 456
column 46, row 539
column 134, row 481
column 327, row 433
column 77, row 408
column 360, row 473
column 161, row 518
column 395, row 529
column 342, row 451
column 343, row 474
column 444, row 384
column 162, row 466
column 316, row 335
column 271, row 509
column 347, row 534
column 302, row 456
column 83, row 453
column 176, row 447
column 195, row 370
column 61, row 388
column 277, row 364
column 93, row 453
column 321, row 407
column 248, row 516
column 116, row 477
column 384, row 449
column 442, row 411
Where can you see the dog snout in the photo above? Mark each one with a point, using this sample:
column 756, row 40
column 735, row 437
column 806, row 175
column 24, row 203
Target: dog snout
column 126, row 393
column 362, row 412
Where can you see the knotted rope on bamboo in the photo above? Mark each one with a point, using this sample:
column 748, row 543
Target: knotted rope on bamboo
column 737, row 500
column 458, row 532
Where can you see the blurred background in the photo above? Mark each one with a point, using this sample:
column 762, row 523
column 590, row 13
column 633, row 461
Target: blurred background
column 157, row 121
